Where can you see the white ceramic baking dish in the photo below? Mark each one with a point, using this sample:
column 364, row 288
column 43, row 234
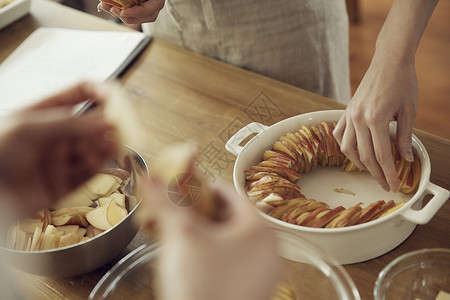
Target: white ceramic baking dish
column 349, row 244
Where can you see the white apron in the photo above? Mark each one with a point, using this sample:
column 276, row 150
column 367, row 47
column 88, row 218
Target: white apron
column 300, row 42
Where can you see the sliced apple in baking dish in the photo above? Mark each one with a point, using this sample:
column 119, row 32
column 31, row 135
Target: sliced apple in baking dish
column 326, row 217
column 300, row 152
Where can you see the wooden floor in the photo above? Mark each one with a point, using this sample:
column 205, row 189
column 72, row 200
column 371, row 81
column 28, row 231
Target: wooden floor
column 432, row 61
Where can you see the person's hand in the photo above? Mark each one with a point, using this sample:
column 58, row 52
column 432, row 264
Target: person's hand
column 203, row 259
column 139, row 14
column 388, row 92
column 45, row 151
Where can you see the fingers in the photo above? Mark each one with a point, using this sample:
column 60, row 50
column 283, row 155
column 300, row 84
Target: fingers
column 404, row 136
column 387, row 174
column 145, row 13
column 73, row 96
column 58, row 123
column 172, row 220
column 71, row 161
column 369, row 137
column 346, row 137
column 367, row 144
column 236, row 206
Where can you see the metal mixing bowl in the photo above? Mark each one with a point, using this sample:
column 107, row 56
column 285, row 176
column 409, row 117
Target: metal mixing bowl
column 86, row 256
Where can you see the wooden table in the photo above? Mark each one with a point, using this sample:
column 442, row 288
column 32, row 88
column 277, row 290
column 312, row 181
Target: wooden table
column 181, row 95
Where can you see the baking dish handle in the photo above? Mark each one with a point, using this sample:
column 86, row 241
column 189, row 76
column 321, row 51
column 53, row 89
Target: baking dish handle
column 233, row 144
column 424, row 215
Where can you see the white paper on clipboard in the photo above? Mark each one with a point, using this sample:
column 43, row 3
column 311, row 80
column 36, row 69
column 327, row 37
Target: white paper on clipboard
column 51, row 59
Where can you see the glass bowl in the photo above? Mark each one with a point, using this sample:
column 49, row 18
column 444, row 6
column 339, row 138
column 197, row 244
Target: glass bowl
column 314, row 275
column 418, row 275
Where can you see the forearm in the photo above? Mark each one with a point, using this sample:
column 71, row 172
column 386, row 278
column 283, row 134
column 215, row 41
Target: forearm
column 401, row 33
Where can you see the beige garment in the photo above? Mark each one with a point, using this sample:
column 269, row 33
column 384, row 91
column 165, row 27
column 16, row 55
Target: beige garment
column 300, row 42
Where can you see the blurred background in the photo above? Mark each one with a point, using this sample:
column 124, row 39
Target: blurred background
column 366, row 19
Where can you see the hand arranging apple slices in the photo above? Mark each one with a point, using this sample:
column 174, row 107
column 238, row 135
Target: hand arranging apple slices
column 94, row 207
column 271, row 184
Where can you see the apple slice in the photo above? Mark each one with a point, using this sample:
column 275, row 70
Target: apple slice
column 130, row 202
column 292, row 146
column 81, row 232
column 345, row 218
column 264, row 181
column 104, row 201
column 47, row 219
column 322, row 153
column 271, row 153
column 302, row 217
column 284, row 193
column 49, row 238
column 69, row 228
column 68, row 239
column 387, row 206
column 280, row 170
column 36, row 240
column 308, row 208
column 64, row 220
column 278, row 211
column 97, row 231
column 412, row 179
column 284, row 149
column 324, row 219
column 29, row 225
column 114, row 3
column 90, row 231
column 72, row 211
column 20, row 242
column 256, row 175
column 119, row 198
column 175, row 161
column 370, row 211
column 115, row 213
column 98, row 218
column 292, row 214
column 312, row 216
column 103, row 184
column 78, row 197
column 396, row 207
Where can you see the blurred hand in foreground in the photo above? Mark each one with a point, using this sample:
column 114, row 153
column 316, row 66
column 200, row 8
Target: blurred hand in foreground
column 46, row 151
column 203, row 259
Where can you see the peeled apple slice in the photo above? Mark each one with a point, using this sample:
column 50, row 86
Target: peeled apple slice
column 98, row 218
column 115, row 213
column 103, row 184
